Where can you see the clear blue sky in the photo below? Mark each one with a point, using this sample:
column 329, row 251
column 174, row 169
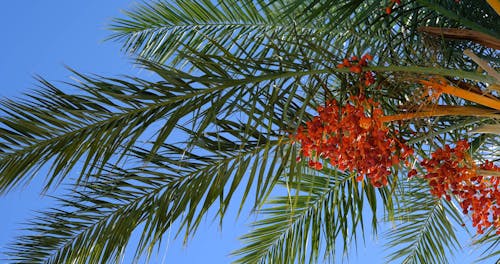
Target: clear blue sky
column 39, row 38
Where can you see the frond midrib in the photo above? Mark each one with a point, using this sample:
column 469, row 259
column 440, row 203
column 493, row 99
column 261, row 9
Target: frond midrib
column 193, row 26
column 420, row 236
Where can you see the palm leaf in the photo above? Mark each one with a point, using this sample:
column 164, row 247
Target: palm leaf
column 111, row 115
column 159, row 31
column 489, row 241
column 162, row 31
column 320, row 209
column 95, row 222
column 423, row 232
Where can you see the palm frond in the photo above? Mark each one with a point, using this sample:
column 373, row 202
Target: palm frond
column 163, row 31
column 320, row 209
column 491, row 244
column 95, row 222
column 106, row 119
column 423, row 232
column 108, row 116
column 64, row 129
column 160, row 30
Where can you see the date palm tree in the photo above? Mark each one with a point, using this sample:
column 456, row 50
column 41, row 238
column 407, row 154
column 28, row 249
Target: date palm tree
column 234, row 79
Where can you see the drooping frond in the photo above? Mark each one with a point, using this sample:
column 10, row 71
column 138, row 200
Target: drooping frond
column 491, row 243
column 95, row 222
column 108, row 116
column 320, row 209
column 422, row 231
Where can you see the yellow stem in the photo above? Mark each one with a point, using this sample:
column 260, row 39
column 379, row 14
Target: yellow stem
column 495, row 4
column 464, row 94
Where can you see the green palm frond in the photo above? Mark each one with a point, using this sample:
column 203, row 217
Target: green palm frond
column 106, row 119
column 67, row 128
column 95, row 222
column 423, row 231
column 320, row 209
column 160, row 30
column 108, row 116
column 491, row 243
column 163, row 30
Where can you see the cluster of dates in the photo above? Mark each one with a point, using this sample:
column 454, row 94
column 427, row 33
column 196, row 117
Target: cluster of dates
column 352, row 137
column 356, row 65
column 451, row 171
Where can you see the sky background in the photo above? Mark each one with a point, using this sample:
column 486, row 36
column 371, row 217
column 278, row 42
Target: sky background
column 41, row 38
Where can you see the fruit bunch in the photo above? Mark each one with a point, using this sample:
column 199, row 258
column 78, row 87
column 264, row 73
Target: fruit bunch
column 356, row 65
column 451, row 171
column 352, row 137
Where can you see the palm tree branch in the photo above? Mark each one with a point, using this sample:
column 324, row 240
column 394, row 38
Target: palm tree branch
column 422, row 232
column 326, row 203
column 181, row 181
